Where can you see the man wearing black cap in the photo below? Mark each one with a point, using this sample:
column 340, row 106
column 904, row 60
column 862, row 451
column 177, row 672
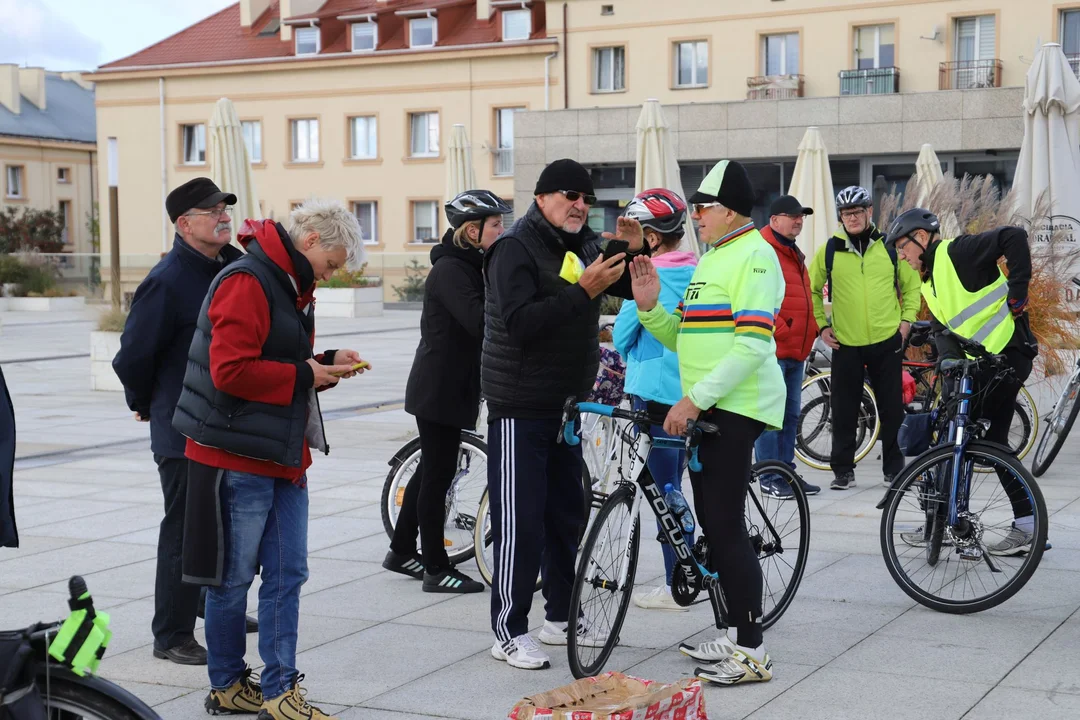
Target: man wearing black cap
column 794, row 335
column 544, row 279
column 151, row 364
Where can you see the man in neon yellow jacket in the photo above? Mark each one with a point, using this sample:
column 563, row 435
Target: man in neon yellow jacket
column 723, row 334
column 874, row 301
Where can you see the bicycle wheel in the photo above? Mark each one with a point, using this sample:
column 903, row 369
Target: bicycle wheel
column 603, row 582
column 462, row 498
column 1025, row 424
column 924, row 554
column 484, row 540
column 1058, row 425
column 813, row 433
column 69, row 698
column 780, row 533
column 597, row 438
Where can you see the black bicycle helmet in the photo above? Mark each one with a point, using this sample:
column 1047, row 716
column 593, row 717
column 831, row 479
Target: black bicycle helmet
column 851, row 197
column 660, row 210
column 474, row 205
column 911, row 220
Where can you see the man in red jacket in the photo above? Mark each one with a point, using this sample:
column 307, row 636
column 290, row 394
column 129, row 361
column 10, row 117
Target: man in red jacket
column 794, row 336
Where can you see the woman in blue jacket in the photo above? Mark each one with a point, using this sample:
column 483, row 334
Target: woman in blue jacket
column 652, row 371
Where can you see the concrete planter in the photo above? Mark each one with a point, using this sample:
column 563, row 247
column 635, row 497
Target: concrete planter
column 103, row 348
column 349, row 302
column 45, row 304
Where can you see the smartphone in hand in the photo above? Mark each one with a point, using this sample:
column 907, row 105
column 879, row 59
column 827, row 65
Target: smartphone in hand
column 363, row 365
column 614, row 247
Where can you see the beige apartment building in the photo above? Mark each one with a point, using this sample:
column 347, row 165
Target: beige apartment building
column 48, row 149
column 355, row 98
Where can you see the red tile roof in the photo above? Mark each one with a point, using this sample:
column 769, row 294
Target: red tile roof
column 220, row 37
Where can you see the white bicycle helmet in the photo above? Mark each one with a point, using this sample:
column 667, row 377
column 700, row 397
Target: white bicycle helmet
column 851, row 197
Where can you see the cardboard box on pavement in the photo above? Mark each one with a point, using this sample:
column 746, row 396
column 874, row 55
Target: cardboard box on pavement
column 615, row 696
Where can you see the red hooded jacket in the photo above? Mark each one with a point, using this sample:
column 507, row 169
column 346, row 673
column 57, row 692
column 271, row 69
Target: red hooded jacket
column 795, row 325
column 240, row 315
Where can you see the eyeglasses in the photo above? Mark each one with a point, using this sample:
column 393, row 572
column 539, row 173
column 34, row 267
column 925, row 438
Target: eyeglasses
column 216, row 213
column 702, row 207
column 903, row 242
column 574, row 196
column 849, row 214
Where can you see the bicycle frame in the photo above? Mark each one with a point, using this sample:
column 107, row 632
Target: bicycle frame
column 645, row 488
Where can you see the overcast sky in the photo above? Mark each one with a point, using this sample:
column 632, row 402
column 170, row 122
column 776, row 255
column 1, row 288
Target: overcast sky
column 83, row 34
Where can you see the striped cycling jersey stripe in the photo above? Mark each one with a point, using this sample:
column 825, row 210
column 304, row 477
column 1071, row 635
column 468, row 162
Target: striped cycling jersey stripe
column 734, row 235
column 719, row 318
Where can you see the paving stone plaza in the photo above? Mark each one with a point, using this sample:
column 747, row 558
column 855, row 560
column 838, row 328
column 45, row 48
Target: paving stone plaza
column 373, row 646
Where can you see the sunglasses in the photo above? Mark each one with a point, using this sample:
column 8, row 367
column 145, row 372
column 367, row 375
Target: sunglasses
column 574, row 196
column 702, row 207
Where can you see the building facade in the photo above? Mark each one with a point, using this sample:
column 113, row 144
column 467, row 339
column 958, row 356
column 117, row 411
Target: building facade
column 355, row 98
column 48, row 148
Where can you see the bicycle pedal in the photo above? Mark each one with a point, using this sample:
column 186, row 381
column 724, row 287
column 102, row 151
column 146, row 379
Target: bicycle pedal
column 971, row 554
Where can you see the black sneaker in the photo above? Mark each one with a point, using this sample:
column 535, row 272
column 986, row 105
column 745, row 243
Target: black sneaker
column 776, row 488
column 807, row 487
column 843, row 481
column 888, row 480
column 411, row 565
column 451, row 581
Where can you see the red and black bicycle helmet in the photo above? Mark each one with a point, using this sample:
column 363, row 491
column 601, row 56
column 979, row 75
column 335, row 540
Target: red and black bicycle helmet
column 659, row 209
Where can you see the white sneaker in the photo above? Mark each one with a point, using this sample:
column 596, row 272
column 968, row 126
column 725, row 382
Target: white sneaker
column 554, row 633
column 659, row 598
column 521, row 652
column 712, row 651
column 1016, row 542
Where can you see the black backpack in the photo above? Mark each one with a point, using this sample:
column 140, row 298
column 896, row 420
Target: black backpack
column 830, row 252
column 19, row 696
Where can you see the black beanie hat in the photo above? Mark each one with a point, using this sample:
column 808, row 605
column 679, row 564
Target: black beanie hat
column 564, row 174
column 728, row 184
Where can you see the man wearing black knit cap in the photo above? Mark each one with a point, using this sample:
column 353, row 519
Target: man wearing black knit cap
column 544, row 279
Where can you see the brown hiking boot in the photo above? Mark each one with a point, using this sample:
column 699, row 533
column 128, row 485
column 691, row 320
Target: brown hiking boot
column 244, row 696
column 292, row 706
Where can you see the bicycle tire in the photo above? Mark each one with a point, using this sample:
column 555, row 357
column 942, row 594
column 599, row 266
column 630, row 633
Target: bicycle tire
column 865, row 442
column 772, row 467
column 1031, row 427
column 621, row 496
column 910, row 475
column 1067, row 403
column 393, row 487
column 73, row 698
column 482, row 537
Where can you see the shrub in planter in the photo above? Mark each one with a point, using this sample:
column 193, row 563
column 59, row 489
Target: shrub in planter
column 112, row 321
column 343, row 278
column 412, row 290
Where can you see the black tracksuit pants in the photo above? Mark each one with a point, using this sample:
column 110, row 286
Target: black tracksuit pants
column 534, row 486
column 883, row 363
column 423, row 508
column 175, row 602
column 719, row 505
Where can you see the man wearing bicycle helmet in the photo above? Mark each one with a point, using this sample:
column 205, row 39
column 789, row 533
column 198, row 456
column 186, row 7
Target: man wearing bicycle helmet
column 652, row 371
column 969, row 295
column 874, row 301
column 723, row 334
column 443, row 391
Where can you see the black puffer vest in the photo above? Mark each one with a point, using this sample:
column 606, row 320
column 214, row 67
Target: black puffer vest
column 541, row 375
column 253, row 429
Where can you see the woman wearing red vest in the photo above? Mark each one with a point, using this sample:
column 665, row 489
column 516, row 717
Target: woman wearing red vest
column 794, row 336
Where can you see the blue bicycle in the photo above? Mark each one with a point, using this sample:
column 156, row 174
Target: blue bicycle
column 951, row 533
column 779, row 531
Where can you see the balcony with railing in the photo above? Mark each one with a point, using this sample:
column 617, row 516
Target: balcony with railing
column 870, row 81
column 504, row 161
column 969, row 74
column 1074, row 63
column 774, row 87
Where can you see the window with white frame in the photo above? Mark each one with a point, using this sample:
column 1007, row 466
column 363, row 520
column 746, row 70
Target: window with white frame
column 65, row 221
column 425, row 221
column 504, row 140
column 976, row 38
column 423, row 32
column 365, row 36
column 63, row 175
column 363, row 138
column 424, row 134
column 194, row 143
column 875, row 46
column 367, row 214
column 780, row 54
column 305, row 140
column 516, row 24
column 307, row 41
column 609, row 69
column 692, row 64
column 252, row 131
column 14, row 175
column 1070, row 34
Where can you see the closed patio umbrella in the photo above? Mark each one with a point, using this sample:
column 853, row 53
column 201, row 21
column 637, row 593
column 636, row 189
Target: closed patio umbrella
column 230, row 165
column 460, row 174
column 1050, row 154
column 927, row 175
column 811, row 184
column 656, row 163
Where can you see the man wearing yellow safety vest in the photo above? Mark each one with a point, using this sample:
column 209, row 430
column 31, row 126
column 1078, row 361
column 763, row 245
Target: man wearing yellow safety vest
column 968, row 294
